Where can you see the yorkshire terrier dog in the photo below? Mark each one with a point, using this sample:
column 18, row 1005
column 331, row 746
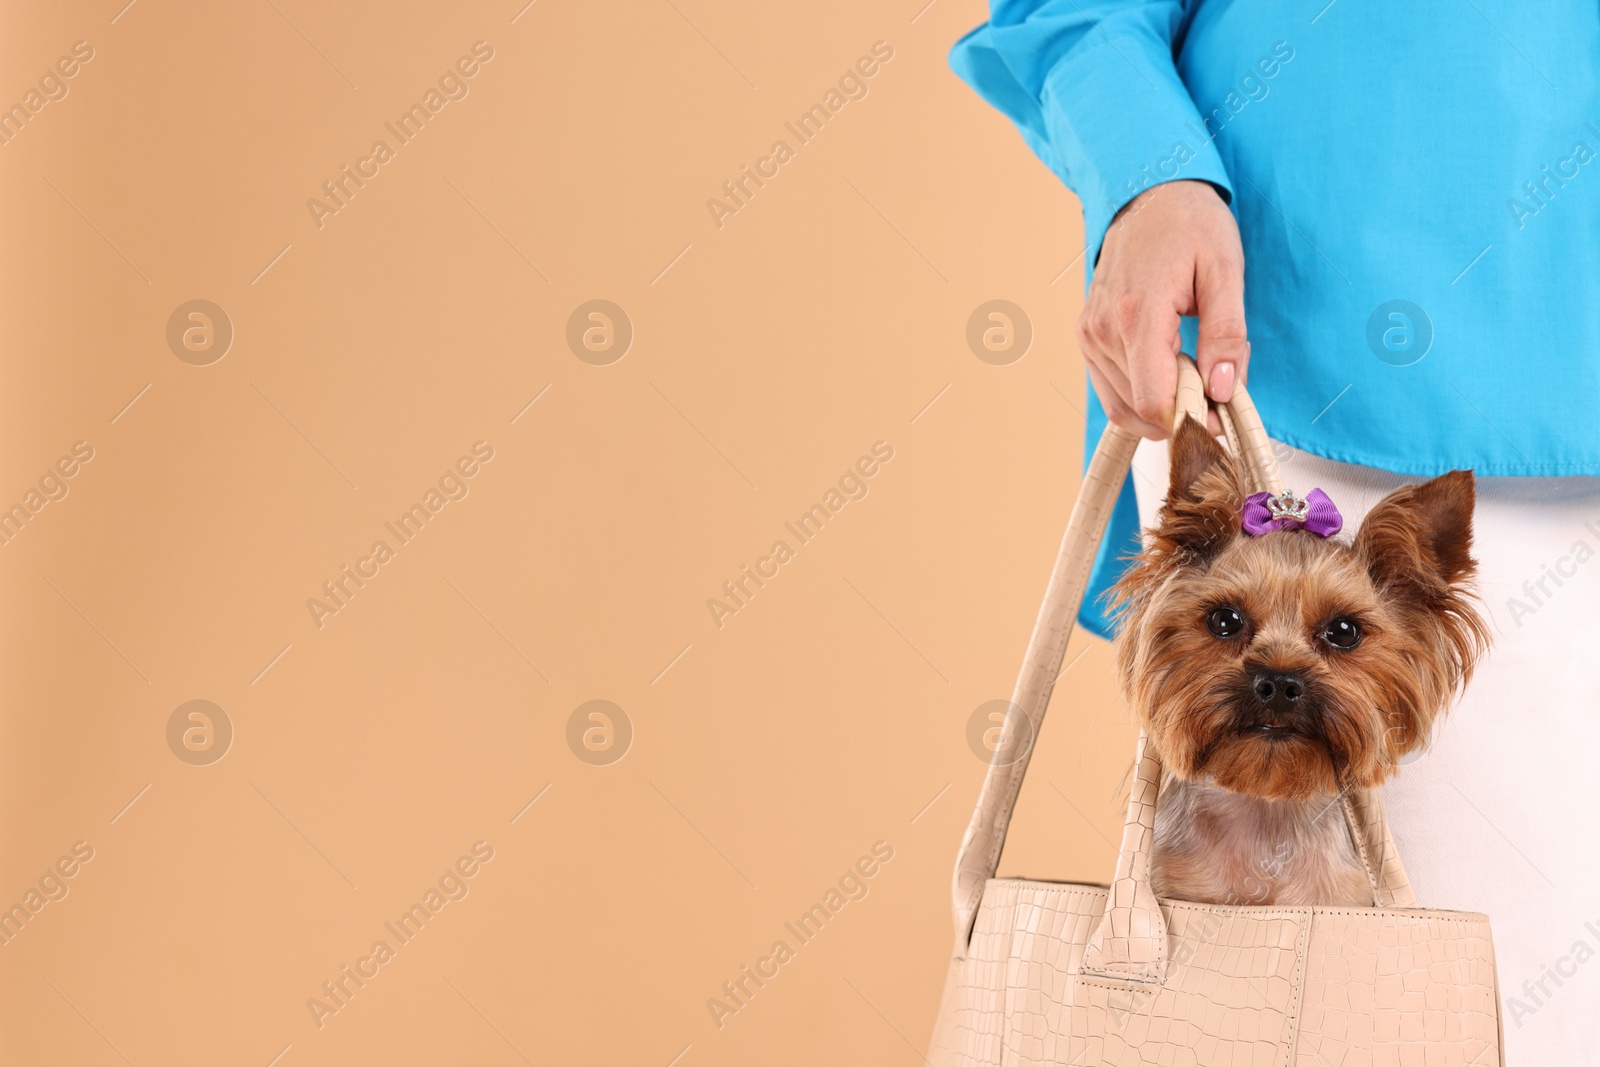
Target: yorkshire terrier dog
column 1274, row 668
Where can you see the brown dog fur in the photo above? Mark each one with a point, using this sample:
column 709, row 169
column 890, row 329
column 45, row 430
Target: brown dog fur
column 1250, row 810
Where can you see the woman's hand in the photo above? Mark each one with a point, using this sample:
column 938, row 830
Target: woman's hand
column 1173, row 250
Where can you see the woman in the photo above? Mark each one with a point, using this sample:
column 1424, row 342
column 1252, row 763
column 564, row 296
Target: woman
column 1385, row 216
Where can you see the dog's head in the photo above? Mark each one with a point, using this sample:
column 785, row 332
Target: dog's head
column 1288, row 664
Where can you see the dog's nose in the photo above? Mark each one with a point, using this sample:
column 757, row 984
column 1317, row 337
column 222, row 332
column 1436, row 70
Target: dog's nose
column 1279, row 690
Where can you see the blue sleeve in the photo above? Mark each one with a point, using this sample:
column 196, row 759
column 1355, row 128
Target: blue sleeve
column 1092, row 87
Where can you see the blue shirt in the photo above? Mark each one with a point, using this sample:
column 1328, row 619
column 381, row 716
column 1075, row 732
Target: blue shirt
column 1417, row 187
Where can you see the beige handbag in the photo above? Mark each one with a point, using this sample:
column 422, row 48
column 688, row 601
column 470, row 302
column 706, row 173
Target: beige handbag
column 1055, row 973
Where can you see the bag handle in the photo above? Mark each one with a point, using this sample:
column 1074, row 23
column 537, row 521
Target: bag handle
column 1131, row 940
column 1363, row 808
column 1041, row 664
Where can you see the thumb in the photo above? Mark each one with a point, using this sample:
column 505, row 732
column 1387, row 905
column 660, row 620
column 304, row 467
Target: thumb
column 1223, row 351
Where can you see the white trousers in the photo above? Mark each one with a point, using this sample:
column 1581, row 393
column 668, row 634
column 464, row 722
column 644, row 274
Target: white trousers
column 1499, row 815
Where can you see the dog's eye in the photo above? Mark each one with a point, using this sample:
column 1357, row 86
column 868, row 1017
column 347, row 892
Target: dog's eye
column 1224, row 622
column 1343, row 634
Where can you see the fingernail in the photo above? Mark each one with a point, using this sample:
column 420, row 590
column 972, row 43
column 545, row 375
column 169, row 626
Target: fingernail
column 1221, row 385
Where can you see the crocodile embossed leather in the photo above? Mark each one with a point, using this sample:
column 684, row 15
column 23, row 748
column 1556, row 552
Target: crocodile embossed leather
column 1083, row 975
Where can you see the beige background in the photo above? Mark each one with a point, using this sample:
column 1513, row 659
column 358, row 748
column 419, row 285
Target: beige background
column 368, row 755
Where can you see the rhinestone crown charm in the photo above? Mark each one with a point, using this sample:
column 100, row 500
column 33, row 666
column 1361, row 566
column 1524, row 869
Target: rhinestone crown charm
column 1314, row 513
column 1287, row 506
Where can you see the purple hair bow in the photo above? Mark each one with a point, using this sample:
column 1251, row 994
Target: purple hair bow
column 1265, row 512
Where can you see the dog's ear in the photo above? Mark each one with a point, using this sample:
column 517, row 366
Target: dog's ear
column 1417, row 546
column 1204, row 496
column 1420, row 536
